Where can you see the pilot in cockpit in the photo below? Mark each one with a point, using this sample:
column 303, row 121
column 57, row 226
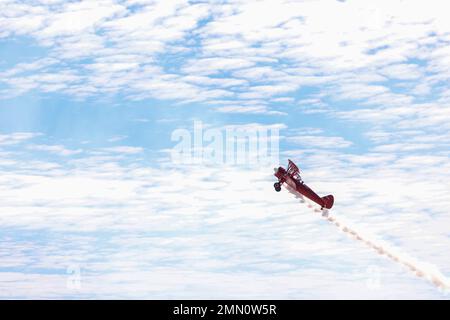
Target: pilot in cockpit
column 298, row 177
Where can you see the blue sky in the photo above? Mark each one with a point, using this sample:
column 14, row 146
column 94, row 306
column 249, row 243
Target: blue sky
column 91, row 91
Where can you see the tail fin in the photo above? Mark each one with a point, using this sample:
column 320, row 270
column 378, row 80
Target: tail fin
column 328, row 201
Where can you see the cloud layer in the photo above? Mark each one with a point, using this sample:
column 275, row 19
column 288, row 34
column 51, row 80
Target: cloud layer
column 359, row 92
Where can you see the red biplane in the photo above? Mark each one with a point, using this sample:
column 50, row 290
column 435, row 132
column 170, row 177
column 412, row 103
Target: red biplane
column 292, row 178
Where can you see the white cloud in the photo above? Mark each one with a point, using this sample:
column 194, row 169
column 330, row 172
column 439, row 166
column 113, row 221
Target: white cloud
column 57, row 149
column 17, row 137
column 201, row 52
column 120, row 224
column 211, row 66
column 124, row 149
column 320, row 141
column 78, row 17
column 117, row 138
column 401, row 71
column 252, row 109
column 366, row 66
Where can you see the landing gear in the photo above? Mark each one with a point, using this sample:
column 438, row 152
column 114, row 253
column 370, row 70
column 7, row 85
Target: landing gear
column 277, row 186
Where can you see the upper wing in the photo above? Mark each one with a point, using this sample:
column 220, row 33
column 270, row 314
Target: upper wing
column 292, row 169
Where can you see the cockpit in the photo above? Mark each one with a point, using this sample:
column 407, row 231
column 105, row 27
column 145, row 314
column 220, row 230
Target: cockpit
column 294, row 171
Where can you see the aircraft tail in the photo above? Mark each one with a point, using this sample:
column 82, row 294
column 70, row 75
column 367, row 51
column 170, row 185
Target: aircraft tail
column 328, row 201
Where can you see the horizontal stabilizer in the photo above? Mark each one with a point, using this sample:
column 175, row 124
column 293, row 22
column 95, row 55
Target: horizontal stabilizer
column 328, row 201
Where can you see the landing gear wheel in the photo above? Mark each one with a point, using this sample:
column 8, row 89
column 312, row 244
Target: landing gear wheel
column 277, row 186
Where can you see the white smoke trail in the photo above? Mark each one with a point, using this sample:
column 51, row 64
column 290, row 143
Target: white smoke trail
column 420, row 269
